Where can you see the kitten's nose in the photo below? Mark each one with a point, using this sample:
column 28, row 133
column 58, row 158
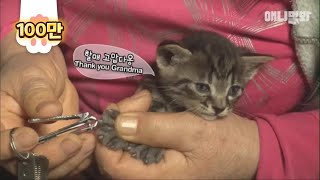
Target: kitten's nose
column 218, row 110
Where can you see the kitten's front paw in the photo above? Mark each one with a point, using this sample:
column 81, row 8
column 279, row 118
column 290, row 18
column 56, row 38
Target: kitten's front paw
column 154, row 155
column 146, row 153
column 108, row 117
column 107, row 133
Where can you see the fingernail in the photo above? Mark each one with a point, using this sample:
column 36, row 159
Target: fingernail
column 127, row 125
column 43, row 104
column 70, row 146
column 139, row 94
column 48, row 109
column 22, row 142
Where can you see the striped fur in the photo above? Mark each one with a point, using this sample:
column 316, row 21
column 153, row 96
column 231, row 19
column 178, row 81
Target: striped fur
column 204, row 73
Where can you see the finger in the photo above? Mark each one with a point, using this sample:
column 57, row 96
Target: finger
column 11, row 114
column 111, row 162
column 10, row 120
column 25, row 139
column 60, row 149
column 138, row 102
column 9, row 104
column 70, row 106
column 83, row 165
column 38, row 98
column 121, row 165
column 177, row 131
column 35, row 84
column 10, row 166
column 71, row 99
column 73, row 163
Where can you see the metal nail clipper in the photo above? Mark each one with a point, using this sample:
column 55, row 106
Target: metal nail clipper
column 33, row 166
column 86, row 123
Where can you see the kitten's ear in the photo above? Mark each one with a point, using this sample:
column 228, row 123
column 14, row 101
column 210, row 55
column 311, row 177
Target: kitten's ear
column 171, row 53
column 252, row 62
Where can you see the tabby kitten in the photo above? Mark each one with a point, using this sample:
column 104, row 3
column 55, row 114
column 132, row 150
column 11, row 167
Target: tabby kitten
column 204, row 73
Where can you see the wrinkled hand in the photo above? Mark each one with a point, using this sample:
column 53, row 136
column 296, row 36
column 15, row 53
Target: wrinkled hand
column 36, row 85
column 197, row 149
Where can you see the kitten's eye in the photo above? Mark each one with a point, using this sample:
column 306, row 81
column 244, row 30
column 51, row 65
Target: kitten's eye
column 202, row 88
column 234, row 90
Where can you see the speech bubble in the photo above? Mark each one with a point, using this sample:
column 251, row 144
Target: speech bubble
column 99, row 61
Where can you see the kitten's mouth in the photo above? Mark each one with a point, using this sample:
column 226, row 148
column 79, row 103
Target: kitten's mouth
column 208, row 116
column 213, row 116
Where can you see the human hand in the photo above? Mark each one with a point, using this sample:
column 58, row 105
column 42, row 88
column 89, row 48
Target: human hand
column 197, row 149
column 36, row 85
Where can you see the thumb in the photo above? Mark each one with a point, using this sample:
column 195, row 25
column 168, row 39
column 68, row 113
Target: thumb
column 140, row 101
column 24, row 138
column 176, row 131
column 38, row 99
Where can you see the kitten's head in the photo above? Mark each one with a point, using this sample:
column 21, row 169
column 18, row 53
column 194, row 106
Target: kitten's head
column 205, row 73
